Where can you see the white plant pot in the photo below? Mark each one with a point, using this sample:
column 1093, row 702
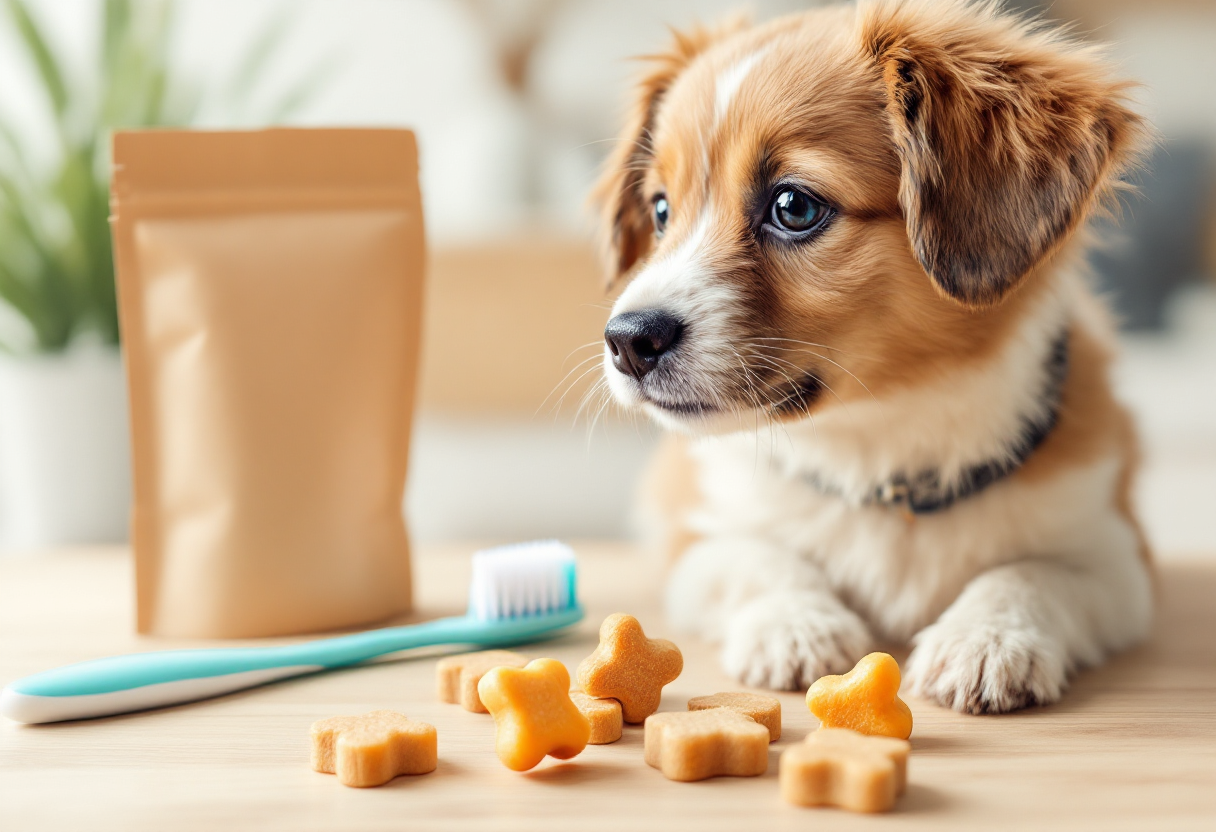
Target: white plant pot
column 65, row 475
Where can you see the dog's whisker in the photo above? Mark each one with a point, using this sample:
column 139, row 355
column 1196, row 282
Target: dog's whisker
column 825, row 358
column 572, row 384
column 812, row 344
column 616, row 139
column 561, row 400
column 828, row 387
column 805, row 406
column 598, row 344
column 593, row 391
column 797, row 388
column 757, row 409
column 776, row 423
column 607, row 400
column 771, row 388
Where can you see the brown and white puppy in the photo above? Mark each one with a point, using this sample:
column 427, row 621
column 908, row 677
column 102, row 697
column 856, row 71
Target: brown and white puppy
column 852, row 241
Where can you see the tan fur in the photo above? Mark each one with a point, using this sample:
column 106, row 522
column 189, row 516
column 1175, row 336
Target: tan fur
column 961, row 152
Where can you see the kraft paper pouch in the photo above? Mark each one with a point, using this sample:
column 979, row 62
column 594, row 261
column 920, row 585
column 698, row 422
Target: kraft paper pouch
column 270, row 291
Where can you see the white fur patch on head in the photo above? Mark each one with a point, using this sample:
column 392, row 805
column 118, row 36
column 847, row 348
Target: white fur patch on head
column 671, row 281
column 728, row 82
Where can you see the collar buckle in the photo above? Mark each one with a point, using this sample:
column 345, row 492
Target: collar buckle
column 893, row 492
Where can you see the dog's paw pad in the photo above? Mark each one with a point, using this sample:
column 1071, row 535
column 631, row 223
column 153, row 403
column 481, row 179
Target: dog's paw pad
column 788, row 642
column 984, row 670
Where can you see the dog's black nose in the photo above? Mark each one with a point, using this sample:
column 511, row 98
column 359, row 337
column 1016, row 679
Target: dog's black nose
column 637, row 339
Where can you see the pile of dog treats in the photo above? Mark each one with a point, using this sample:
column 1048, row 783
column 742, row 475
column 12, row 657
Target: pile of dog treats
column 856, row 760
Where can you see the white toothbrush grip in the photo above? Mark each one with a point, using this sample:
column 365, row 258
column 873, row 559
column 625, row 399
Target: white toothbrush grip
column 33, row 708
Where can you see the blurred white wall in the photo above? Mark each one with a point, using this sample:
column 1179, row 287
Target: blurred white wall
column 1170, row 383
column 430, row 64
column 1172, row 53
column 426, row 64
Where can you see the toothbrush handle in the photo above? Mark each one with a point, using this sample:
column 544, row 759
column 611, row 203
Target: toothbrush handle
column 119, row 684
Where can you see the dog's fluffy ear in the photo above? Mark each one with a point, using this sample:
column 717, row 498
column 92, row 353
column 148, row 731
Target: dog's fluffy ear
column 625, row 221
column 1007, row 134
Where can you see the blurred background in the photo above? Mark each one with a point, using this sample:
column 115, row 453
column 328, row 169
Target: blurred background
column 515, row 103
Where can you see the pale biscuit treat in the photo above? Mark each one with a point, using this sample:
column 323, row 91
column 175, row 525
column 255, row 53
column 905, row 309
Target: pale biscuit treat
column 694, row 745
column 604, row 716
column 865, row 699
column 372, row 749
column 630, row 668
column 456, row 677
column 534, row 716
column 839, row 767
column 764, row 709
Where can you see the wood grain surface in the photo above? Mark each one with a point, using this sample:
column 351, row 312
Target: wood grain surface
column 1132, row 746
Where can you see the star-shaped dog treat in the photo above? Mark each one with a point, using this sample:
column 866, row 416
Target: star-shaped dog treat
column 456, row 677
column 866, row 699
column 839, row 767
column 630, row 668
column 764, row 709
column 533, row 714
column 372, row 749
column 694, row 745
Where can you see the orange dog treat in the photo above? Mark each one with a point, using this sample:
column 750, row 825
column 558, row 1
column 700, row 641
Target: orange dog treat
column 866, row 699
column 694, row 745
column 604, row 715
column 372, row 749
column 630, row 668
column 456, row 677
column 533, row 713
column 764, row 709
column 839, row 767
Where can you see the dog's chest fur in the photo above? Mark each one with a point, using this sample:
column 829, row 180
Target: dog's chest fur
column 897, row 570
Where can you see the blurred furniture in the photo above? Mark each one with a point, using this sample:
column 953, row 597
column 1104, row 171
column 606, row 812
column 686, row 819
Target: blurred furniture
column 1165, row 236
column 1091, row 10
column 1155, row 244
column 1130, row 746
column 512, row 347
column 1169, row 381
column 507, row 319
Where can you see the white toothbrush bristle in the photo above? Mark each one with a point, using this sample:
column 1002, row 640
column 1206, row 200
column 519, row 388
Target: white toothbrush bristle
column 522, row 579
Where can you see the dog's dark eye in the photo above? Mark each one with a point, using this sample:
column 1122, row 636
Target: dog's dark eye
column 661, row 210
column 797, row 212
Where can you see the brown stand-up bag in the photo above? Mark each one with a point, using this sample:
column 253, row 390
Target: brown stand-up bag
column 270, row 291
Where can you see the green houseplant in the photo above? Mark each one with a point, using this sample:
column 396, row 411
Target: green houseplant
column 63, row 453
column 56, row 271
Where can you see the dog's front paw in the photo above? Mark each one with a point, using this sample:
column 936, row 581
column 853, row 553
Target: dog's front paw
column 719, row 575
column 787, row 640
column 983, row 669
column 699, row 586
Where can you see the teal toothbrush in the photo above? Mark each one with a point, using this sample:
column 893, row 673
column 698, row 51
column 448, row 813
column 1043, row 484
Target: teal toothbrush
column 518, row 594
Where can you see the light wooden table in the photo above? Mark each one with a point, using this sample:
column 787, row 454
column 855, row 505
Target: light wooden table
column 1132, row 746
